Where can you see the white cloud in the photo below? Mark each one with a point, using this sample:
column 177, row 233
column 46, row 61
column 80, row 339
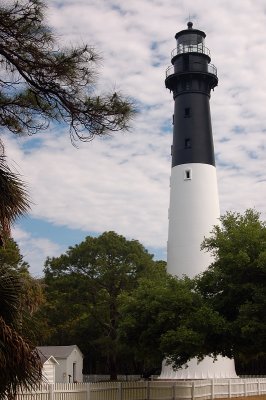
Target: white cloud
column 35, row 250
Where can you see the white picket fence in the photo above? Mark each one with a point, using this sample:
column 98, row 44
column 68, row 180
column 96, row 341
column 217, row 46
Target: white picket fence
column 149, row 390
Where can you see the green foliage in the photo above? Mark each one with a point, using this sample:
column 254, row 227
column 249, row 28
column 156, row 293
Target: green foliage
column 30, row 291
column 234, row 285
column 84, row 287
column 168, row 319
column 10, row 255
column 139, row 327
column 40, row 82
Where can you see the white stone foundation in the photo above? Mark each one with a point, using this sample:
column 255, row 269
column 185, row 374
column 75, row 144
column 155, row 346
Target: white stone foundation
column 207, row 369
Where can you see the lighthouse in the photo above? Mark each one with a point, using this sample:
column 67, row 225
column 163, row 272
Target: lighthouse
column 194, row 202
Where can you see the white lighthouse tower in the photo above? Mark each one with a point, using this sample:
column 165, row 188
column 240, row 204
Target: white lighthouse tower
column 194, row 202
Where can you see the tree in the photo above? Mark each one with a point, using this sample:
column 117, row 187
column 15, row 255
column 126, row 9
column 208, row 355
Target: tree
column 142, row 318
column 84, row 286
column 234, row 284
column 164, row 318
column 20, row 364
column 40, row 82
column 139, row 327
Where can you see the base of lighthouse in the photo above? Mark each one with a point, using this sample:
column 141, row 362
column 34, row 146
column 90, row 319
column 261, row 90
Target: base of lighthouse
column 207, row 369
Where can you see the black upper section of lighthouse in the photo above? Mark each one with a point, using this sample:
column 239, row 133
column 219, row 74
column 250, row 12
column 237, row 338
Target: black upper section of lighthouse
column 191, row 78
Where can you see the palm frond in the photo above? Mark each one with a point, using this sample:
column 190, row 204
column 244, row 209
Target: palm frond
column 20, row 363
column 10, row 288
column 14, row 199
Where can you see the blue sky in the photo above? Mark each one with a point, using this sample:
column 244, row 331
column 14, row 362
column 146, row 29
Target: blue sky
column 122, row 183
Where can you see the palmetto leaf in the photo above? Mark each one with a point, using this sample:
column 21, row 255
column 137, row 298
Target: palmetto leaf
column 10, row 287
column 20, row 364
column 14, row 200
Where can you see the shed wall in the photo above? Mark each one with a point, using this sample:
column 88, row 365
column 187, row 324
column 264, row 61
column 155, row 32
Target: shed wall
column 48, row 372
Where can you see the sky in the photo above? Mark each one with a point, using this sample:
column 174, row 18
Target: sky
column 121, row 182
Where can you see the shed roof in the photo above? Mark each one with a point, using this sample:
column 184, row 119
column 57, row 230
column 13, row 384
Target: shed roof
column 44, row 358
column 57, row 351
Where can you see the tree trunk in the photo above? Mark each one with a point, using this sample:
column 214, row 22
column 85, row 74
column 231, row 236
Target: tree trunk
column 113, row 367
column 113, row 336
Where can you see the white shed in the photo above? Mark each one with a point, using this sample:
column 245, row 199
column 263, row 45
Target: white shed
column 70, row 362
column 48, row 368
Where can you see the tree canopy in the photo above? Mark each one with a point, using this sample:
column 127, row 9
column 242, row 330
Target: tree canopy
column 41, row 82
column 168, row 319
column 83, row 289
column 234, row 284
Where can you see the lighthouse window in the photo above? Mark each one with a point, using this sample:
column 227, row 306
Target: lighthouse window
column 187, row 112
column 187, row 174
column 187, row 144
column 186, row 62
column 185, row 85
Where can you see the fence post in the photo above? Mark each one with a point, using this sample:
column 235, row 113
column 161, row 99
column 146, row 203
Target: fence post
column 51, row 391
column 212, row 389
column 88, row 391
column 120, row 391
column 245, row 388
column 258, row 386
column 174, row 391
column 193, row 391
column 148, row 390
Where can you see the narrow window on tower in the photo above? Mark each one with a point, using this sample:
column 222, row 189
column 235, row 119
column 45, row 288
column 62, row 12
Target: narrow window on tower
column 186, row 62
column 187, row 112
column 187, row 143
column 187, row 174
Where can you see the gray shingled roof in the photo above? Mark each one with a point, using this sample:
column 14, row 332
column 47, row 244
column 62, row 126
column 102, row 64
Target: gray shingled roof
column 44, row 358
column 57, row 351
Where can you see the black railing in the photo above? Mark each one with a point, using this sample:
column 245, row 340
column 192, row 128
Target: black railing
column 171, row 70
column 193, row 48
